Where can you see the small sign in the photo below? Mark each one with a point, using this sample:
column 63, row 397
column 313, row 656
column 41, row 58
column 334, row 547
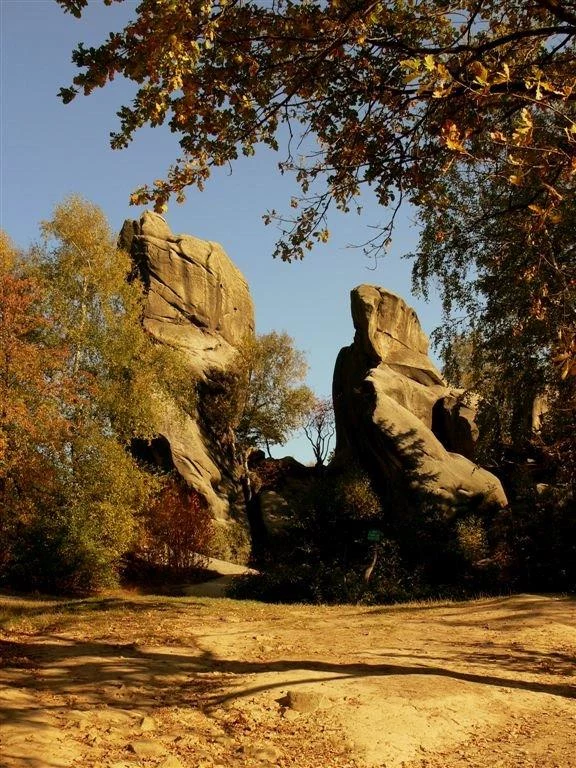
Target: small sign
column 374, row 534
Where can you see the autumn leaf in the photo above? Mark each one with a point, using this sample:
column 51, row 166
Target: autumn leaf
column 451, row 136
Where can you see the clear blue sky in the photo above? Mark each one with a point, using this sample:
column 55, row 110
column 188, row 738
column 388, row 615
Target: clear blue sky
column 49, row 150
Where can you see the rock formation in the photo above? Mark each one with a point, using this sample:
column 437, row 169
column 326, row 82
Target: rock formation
column 394, row 412
column 198, row 302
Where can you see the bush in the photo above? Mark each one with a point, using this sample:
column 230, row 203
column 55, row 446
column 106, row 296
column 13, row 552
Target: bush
column 326, row 555
column 177, row 529
column 534, row 542
column 66, row 531
column 50, row 553
column 230, row 541
column 282, row 584
column 356, row 498
column 472, row 539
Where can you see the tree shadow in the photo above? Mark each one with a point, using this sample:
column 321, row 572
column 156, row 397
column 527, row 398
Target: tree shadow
column 53, row 673
column 26, row 607
column 122, row 675
column 340, row 671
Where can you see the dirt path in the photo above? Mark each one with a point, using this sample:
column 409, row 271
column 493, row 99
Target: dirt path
column 132, row 682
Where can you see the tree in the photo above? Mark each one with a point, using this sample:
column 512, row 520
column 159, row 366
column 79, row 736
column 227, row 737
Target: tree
column 31, row 422
column 273, row 402
column 259, row 402
column 178, row 528
column 319, row 428
column 80, row 380
column 515, row 341
column 114, row 368
column 27, row 393
column 394, row 93
column 96, row 312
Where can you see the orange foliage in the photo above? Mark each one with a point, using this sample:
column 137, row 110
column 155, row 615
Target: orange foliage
column 28, row 386
column 178, row 528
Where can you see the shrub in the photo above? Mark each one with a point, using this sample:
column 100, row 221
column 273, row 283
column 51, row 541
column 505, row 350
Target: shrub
column 66, row 530
column 534, row 541
column 230, row 541
column 356, row 498
column 177, row 528
column 472, row 540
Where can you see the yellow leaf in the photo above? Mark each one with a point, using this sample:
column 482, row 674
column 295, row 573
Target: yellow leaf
column 452, row 137
column 526, row 119
column 480, row 72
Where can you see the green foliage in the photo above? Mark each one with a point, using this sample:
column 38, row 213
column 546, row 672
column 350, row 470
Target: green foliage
column 517, row 284
column 283, row 584
column 348, row 543
column 324, row 554
column 72, row 527
column 97, row 311
column 231, row 541
column 533, row 543
column 262, row 401
column 471, row 537
column 71, row 492
column 355, row 497
column 273, row 401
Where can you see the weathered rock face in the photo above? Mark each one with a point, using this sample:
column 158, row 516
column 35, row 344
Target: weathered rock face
column 198, row 300
column 395, row 412
column 199, row 303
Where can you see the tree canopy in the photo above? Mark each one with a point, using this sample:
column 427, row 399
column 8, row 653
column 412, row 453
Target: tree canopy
column 78, row 381
column 273, row 400
column 393, row 92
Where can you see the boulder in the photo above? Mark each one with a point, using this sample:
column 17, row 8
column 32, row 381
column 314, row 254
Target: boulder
column 198, row 302
column 395, row 413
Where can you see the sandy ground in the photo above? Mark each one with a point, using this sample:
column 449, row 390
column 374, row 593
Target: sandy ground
column 197, row 682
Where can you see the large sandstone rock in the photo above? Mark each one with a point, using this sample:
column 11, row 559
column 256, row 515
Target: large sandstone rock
column 198, row 300
column 395, row 412
column 199, row 303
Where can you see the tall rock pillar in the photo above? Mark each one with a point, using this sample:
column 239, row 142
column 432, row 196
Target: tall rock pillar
column 197, row 302
column 395, row 412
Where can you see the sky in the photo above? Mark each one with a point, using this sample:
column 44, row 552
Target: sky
column 49, row 150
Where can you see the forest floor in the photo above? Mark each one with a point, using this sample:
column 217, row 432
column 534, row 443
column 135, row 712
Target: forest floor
column 132, row 681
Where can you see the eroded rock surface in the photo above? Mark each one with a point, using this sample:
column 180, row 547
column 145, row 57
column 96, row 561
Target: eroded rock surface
column 199, row 303
column 394, row 410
